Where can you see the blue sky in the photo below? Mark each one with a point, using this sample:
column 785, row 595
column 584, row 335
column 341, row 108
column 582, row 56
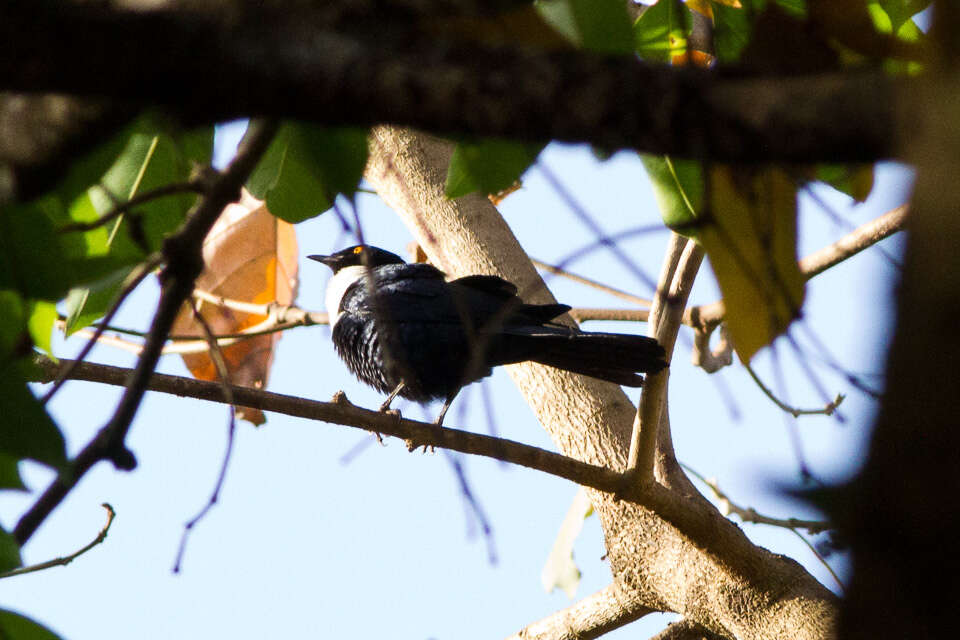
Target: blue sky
column 304, row 545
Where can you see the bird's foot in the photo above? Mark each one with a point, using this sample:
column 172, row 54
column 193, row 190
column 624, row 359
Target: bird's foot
column 413, row 445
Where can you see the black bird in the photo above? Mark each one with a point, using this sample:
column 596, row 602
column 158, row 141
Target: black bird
column 424, row 338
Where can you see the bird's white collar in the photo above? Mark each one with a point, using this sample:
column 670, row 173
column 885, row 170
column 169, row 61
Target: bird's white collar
column 337, row 286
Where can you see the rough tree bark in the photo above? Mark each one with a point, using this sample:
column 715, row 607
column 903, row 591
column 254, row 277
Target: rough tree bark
column 733, row 588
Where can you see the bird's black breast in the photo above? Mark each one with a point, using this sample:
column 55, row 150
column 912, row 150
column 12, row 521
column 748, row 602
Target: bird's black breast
column 434, row 335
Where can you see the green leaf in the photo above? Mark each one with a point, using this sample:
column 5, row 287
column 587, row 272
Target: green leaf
column 90, row 167
column 106, row 255
column 339, row 157
column 488, row 166
column 855, row 181
column 602, row 26
column 881, row 19
column 40, row 320
column 678, row 188
column 306, row 166
column 10, row 473
column 33, row 261
column 560, row 570
column 148, row 161
column 900, row 11
column 661, row 31
column 13, row 323
column 14, row 626
column 731, row 32
column 9, row 552
column 85, row 306
column 26, row 430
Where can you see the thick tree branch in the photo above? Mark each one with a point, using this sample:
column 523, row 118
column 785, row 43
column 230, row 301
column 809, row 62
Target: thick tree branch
column 686, row 630
column 589, row 618
column 306, row 64
column 661, row 566
column 650, row 428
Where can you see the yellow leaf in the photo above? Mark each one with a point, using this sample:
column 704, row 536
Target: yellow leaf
column 701, row 6
column 750, row 238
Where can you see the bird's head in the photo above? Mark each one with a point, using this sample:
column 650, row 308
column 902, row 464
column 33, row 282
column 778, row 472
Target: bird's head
column 356, row 256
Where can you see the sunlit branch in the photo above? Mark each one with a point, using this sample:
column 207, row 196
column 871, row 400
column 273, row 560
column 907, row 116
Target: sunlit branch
column 749, row 514
column 591, row 617
column 61, row 562
column 681, row 265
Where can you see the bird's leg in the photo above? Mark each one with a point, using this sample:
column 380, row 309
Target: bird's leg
column 443, row 411
column 446, row 405
column 393, row 394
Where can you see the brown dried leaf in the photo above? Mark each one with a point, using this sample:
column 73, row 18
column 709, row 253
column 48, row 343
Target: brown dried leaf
column 250, row 256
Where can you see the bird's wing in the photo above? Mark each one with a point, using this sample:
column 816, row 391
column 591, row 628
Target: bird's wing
column 493, row 285
column 506, row 294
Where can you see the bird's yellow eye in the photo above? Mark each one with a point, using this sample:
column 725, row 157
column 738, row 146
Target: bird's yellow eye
column 358, row 249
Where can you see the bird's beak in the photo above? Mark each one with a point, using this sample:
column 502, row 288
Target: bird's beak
column 327, row 260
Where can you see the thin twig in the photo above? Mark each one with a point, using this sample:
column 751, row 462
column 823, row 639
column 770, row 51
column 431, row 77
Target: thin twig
column 712, row 314
column 236, row 305
column 133, row 280
column 820, row 557
column 594, row 227
column 223, row 373
column 583, row 314
column 64, row 561
column 473, row 506
column 617, row 293
column 812, row 376
column 184, row 263
column 749, row 514
column 796, row 413
column 194, row 186
column 708, row 359
column 863, row 237
column 198, row 344
column 845, row 224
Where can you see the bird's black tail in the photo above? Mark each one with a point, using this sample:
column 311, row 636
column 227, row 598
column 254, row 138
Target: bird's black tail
column 614, row 357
